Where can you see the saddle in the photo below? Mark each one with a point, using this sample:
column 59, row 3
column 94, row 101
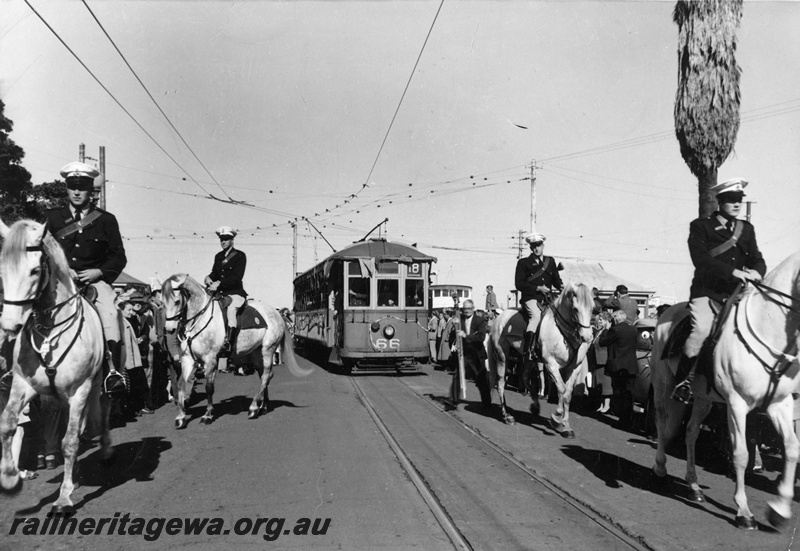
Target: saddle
column 247, row 317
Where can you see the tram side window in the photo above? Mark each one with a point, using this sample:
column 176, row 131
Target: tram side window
column 414, row 293
column 358, row 292
column 388, row 292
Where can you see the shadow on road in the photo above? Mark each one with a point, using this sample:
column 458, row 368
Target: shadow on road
column 132, row 461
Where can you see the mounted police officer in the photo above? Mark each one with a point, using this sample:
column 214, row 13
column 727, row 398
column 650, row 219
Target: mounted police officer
column 93, row 246
column 226, row 279
column 724, row 253
column 535, row 278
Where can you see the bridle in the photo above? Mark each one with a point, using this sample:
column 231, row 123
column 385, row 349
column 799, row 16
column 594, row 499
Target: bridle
column 570, row 329
column 183, row 320
column 37, row 326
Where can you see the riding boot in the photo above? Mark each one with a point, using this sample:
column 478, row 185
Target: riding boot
column 527, row 352
column 230, row 340
column 683, row 391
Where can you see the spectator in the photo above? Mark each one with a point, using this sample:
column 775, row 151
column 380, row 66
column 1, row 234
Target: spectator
column 139, row 394
column 433, row 327
column 661, row 309
column 598, row 304
column 158, row 343
column 620, row 300
column 439, row 331
column 472, row 333
column 491, row 300
column 444, row 350
column 598, row 357
column 622, row 366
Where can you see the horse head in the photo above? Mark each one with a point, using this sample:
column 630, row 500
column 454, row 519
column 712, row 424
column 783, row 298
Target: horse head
column 577, row 302
column 25, row 270
column 173, row 295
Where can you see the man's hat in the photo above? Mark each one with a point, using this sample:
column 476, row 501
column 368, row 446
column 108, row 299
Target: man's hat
column 734, row 185
column 535, row 238
column 226, row 231
column 79, row 170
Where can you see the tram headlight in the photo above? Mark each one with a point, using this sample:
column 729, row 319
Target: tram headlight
column 388, row 331
column 375, row 327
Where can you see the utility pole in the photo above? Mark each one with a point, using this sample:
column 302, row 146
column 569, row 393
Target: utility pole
column 747, row 217
column 294, row 250
column 102, row 169
column 520, row 241
column 533, row 196
column 82, row 153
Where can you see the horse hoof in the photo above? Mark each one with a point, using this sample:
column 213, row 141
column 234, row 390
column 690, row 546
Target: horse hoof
column 14, row 489
column 556, row 426
column 775, row 518
column 206, row 420
column 569, row 434
column 534, row 407
column 181, row 423
column 508, row 420
column 252, row 415
column 697, row 496
column 746, row 523
column 62, row 510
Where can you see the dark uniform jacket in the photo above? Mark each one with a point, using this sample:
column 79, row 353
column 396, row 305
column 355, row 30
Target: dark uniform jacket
column 473, row 342
column 621, row 342
column 229, row 271
column 526, row 284
column 626, row 304
column 97, row 245
column 713, row 276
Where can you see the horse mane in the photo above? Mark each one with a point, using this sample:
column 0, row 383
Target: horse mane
column 16, row 242
column 789, row 267
column 579, row 296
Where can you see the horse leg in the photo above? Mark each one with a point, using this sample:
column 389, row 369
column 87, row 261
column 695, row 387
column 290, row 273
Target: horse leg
column 69, row 447
column 19, row 396
column 780, row 511
column 260, row 401
column 700, row 411
column 185, row 383
column 737, row 416
column 498, row 357
column 564, row 401
column 210, row 370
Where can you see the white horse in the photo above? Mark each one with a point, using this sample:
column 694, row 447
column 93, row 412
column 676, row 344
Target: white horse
column 565, row 333
column 754, row 365
column 59, row 347
column 186, row 303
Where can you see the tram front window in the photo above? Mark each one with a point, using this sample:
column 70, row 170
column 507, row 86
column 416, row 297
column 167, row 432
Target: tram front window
column 388, row 292
column 414, row 293
column 359, row 291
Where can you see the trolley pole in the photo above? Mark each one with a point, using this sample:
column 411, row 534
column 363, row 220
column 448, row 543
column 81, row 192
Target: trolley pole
column 533, row 196
column 294, row 250
column 102, row 169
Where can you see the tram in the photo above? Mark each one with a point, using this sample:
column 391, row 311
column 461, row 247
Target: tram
column 366, row 306
column 441, row 296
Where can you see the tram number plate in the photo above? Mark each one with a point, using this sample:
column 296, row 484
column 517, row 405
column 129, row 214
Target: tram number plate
column 383, row 344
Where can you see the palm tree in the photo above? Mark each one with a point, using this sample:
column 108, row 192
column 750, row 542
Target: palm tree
column 707, row 101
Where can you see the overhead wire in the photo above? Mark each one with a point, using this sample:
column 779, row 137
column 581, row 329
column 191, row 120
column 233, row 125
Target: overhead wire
column 107, row 91
column 139, row 80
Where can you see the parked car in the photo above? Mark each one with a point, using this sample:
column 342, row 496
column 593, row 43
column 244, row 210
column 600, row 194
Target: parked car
column 642, row 387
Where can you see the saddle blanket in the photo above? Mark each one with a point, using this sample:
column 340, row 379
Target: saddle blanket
column 247, row 316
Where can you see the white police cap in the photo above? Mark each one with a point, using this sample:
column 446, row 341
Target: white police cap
column 226, row 231
column 535, row 238
column 734, row 184
column 79, row 170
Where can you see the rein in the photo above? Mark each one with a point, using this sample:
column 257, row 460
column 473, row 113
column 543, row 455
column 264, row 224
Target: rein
column 43, row 281
column 184, row 321
column 570, row 330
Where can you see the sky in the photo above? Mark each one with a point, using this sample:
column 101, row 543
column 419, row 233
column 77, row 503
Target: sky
column 336, row 115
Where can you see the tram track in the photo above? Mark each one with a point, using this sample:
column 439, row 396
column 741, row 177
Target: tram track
column 442, row 491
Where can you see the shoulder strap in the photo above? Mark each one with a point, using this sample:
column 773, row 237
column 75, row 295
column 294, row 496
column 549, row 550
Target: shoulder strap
column 229, row 257
column 542, row 270
column 75, row 226
column 737, row 232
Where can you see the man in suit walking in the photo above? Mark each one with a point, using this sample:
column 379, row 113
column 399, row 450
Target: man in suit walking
column 472, row 332
column 621, row 365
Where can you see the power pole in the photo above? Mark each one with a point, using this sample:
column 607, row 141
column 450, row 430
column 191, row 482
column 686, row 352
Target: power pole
column 520, row 241
column 82, row 153
column 747, row 217
column 102, row 168
column 294, row 250
column 533, row 196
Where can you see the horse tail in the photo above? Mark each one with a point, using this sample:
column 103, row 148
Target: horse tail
column 289, row 357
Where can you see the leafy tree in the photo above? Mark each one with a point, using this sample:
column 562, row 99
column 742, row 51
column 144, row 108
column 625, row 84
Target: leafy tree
column 707, row 101
column 15, row 181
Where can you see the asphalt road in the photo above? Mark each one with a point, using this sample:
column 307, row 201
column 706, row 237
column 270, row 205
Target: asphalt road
column 319, row 455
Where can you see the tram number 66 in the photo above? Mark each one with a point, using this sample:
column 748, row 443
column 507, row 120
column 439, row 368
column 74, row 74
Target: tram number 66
column 383, row 344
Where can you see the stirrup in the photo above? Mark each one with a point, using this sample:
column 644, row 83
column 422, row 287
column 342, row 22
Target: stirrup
column 682, row 392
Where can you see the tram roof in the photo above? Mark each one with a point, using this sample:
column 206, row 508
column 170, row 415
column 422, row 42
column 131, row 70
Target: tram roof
column 379, row 249
column 382, row 250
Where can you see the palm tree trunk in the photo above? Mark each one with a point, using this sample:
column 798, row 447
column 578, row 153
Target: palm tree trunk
column 708, row 203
